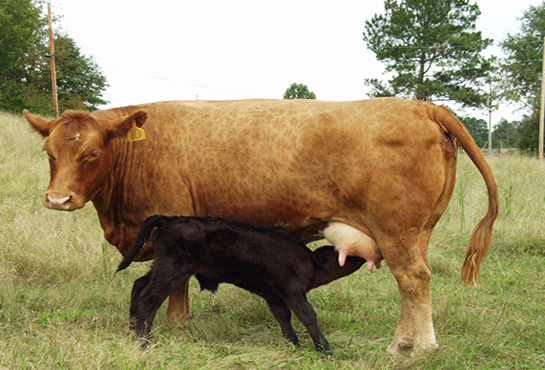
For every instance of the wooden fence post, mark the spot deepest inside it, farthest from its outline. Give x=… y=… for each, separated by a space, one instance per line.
x=541 y=111
x=52 y=54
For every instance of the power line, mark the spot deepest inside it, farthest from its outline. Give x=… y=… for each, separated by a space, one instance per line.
x=178 y=82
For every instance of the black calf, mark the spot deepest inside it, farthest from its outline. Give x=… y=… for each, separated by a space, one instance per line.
x=264 y=260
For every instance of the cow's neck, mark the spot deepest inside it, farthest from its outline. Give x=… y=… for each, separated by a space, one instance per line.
x=115 y=201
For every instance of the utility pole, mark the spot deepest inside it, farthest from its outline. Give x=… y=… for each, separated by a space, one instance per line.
x=541 y=111
x=52 y=56
x=490 y=119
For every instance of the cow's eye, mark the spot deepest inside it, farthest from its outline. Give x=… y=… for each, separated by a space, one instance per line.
x=93 y=155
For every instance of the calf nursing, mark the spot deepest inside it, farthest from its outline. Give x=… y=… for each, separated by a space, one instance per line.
x=264 y=260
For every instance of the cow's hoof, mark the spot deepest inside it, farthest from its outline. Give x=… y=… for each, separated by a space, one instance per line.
x=401 y=348
x=427 y=348
x=179 y=318
x=424 y=349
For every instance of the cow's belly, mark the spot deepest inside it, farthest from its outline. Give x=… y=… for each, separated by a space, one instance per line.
x=350 y=241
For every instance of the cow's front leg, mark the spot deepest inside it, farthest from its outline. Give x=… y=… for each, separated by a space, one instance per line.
x=178 y=304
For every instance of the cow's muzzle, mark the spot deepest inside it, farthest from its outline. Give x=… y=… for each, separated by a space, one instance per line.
x=61 y=202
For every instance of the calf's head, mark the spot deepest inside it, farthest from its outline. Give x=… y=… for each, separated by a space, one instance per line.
x=327 y=268
x=79 y=154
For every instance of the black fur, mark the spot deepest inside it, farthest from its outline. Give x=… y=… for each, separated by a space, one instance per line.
x=264 y=260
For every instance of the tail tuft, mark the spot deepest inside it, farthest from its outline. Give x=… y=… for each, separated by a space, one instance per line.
x=478 y=247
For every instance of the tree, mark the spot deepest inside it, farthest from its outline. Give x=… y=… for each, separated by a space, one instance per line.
x=19 y=22
x=299 y=91
x=522 y=72
x=25 y=76
x=529 y=133
x=506 y=134
x=478 y=128
x=20 y=25
x=79 y=79
x=431 y=49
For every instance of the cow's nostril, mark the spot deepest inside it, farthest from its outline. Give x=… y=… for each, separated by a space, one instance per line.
x=58 y=202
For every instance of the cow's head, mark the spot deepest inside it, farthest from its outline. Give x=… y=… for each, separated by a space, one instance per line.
x=80 y=158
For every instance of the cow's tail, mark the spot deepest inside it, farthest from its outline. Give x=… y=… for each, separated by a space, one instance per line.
x=143 y=235
x=479 y=244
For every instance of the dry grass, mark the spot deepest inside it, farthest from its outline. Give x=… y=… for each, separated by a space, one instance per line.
x=62 y=306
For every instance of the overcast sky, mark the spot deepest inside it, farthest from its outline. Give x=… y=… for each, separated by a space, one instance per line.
x=242 y=49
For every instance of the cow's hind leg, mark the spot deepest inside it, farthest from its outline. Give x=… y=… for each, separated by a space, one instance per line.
x=404 y=254
x=178 y=303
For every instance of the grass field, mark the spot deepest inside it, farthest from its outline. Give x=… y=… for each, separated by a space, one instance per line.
x=62 y=306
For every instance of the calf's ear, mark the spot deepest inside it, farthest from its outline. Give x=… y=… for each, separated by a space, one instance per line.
x=121 y=126
x=39 y=124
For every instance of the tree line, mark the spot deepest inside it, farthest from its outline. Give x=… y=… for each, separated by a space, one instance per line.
x=25 y=74
x=430 y=48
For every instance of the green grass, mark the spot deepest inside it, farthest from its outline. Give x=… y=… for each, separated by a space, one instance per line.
x=62 y=306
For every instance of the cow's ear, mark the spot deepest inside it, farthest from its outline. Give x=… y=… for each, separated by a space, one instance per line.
x=121 y=126
x=41 y=125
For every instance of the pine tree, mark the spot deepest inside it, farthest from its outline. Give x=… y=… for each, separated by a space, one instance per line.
x=431 y=49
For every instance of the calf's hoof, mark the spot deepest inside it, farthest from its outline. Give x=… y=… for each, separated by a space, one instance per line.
x=325 y=350
x=143 y=343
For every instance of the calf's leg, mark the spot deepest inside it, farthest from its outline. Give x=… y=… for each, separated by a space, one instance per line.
x=282 y=314
x=137 y=288
x=299 y=304
x=149 y=301
x=160 y=285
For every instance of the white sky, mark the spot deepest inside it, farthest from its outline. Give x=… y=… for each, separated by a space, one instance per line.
x=238 y=49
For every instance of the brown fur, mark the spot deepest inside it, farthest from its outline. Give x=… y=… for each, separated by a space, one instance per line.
x=383 y=166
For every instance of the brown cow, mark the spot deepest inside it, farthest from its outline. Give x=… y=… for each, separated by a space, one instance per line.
x=373 y=177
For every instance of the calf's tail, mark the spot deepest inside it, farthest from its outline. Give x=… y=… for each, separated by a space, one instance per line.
x=479 y=244
x=143 y=235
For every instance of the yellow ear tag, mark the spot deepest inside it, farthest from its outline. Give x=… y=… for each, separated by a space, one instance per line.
x=136 y=133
